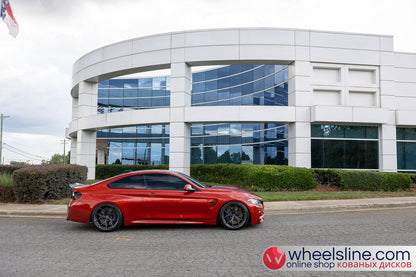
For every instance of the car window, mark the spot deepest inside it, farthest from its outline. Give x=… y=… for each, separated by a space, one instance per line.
x=129 y=182
x=164 y=182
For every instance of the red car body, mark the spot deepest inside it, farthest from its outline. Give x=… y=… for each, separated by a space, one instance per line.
x=145 y=197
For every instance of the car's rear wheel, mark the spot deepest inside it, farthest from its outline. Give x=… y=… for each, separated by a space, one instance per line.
x=107 y=217
x=234 y=215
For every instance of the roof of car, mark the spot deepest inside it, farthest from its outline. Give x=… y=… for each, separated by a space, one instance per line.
x=152 y=170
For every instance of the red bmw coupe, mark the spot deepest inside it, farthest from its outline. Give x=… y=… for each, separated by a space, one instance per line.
x=162 y=197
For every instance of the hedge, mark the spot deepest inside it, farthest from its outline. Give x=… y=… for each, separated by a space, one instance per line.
x=36 y=183
x=9 y=169
x=280 y=177
x=374 y=181
x=109 y=170
x=257 y=177
x=6 y=188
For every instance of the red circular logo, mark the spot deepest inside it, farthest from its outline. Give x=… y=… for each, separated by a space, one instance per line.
x=274 y=258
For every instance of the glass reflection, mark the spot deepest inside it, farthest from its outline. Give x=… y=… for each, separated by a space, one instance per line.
x=236 y=143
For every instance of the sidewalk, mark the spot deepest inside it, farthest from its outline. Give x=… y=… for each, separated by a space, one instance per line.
x=271 y=208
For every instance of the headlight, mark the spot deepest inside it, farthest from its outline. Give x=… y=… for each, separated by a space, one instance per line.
x=76 y=195
x=256 y=202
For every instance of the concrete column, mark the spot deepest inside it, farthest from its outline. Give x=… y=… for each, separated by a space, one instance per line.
x=300 y=96
x=73 y=151
x=86 y=140
x=388 y=148
x=388 y=144
x=100 y=156
x=180 y=98
x=73 y=159
x=101 y=151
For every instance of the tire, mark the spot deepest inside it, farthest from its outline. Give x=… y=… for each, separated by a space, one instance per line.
x=107 y=217
x=234 y=215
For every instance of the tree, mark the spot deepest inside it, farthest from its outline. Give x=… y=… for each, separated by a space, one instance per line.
x=59 y=158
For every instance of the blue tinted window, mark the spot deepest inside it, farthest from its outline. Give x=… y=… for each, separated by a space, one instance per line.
x=159 y=82
x=211 y=75
x=116 y=83
x=102 y=93
x=233 y=143
x=103 y=84
x=198 y=77
x=239 y=81
x=131 y=83
x=145 y=83
x=224 y=71
x=235 y=69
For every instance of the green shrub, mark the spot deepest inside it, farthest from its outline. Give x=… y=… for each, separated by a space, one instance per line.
x=257 y=177
x=328 y=177
x=413 y=177
x=104 y=171
x=6 y=180
x=9 y=169
x=37 y=183
x=6 y=188
x=374 y=181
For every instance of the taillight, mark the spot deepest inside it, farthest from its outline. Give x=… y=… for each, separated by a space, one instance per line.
x=76 y=195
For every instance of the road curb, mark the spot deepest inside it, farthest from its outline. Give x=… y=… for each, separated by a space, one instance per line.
x=336 y=209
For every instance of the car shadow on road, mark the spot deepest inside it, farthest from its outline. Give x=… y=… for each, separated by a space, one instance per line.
x=162 y=227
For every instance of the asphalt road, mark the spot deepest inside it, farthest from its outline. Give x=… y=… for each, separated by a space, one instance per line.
x=54 y=247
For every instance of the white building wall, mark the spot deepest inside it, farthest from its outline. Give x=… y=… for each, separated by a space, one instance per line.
x=335 y=78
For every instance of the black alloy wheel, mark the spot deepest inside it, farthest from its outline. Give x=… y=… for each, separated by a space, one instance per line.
x=107 y=217
x=234 y=215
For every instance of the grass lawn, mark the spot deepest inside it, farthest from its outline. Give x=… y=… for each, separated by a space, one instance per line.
x=320 y=195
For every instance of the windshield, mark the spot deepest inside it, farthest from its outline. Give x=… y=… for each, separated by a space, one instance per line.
x=196 y=182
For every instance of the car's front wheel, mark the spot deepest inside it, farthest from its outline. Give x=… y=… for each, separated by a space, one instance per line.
x=107 y=217
x=234 y=215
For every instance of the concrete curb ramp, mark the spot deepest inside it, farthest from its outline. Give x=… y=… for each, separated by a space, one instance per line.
x=271 y=208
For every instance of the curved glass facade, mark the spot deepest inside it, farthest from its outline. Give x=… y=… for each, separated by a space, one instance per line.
x=143 y=145
x=251 y=143
x=117 y=95
x=235 y=85
x=254 y=143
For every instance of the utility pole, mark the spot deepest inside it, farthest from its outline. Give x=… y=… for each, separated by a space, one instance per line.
x=1 y=135
x=64 y=141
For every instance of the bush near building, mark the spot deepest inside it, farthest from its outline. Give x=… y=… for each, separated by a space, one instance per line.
x=9 y=169
x=104 y=171
x=365 y=180
x=257 y=177
x=40 y=182
x=6 y=188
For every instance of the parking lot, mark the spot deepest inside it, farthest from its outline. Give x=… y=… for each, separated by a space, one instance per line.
x=55 y=247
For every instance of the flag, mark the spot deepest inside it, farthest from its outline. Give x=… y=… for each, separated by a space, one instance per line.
x=100 y=109
x=8 y=18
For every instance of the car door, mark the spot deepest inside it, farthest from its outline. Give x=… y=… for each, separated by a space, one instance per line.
x=166 y=199
x=127 y=193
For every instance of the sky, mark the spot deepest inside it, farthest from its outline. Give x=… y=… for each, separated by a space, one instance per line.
x=36 y=67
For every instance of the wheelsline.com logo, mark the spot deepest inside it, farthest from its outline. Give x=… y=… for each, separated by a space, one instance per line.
x=274 y=258
x=340 y=258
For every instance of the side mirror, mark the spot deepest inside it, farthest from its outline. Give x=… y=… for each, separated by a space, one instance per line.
x=188 y=187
